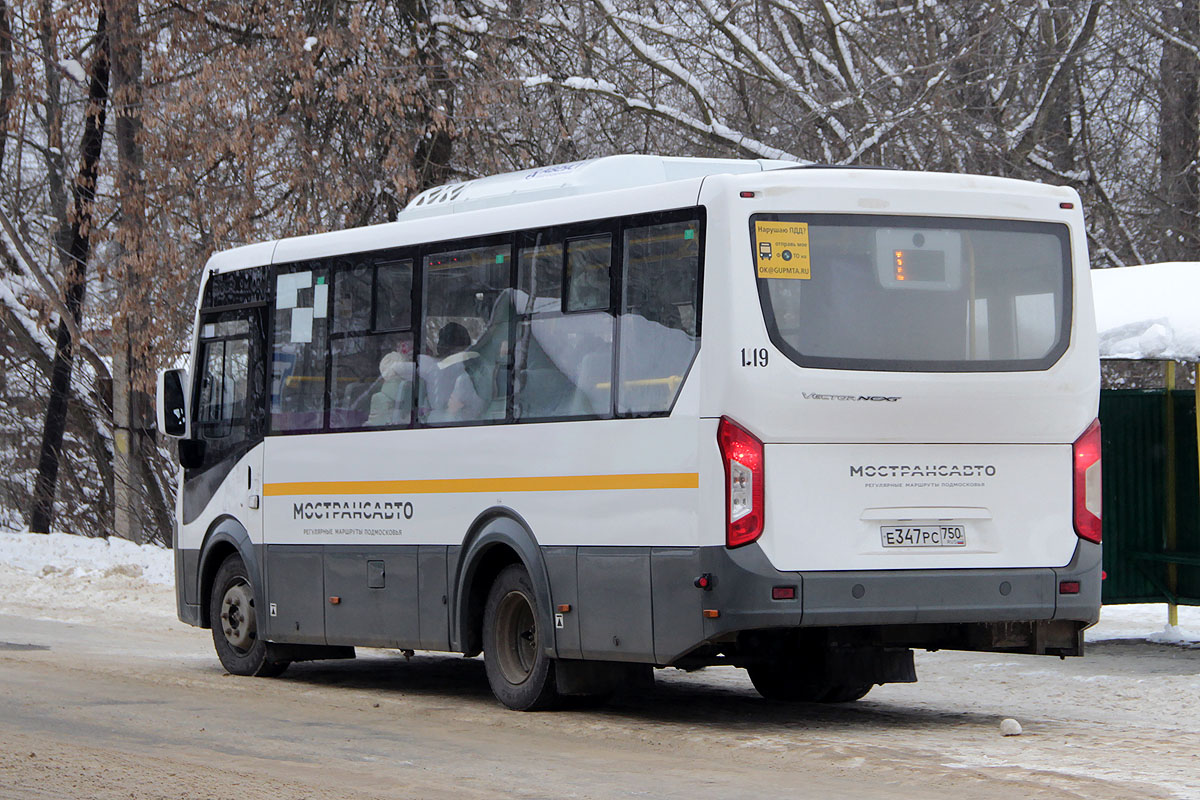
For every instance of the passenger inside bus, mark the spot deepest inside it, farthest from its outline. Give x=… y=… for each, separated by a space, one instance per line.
x=449 y=391
x=390 y=404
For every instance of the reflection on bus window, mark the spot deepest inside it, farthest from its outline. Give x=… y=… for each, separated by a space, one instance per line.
x=564 y=367
x=589 y=262
x=539 y=276
x=464 y=364
x=393 y=295
x=352 y=298
x=659 y=306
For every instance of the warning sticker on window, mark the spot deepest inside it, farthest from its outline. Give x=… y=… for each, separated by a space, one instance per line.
x=781 y=250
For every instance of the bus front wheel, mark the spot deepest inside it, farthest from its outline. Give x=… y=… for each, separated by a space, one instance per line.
x=235 y=624
x=519 y=671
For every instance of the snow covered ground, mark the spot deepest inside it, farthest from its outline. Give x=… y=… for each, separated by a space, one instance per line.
x=73 y=579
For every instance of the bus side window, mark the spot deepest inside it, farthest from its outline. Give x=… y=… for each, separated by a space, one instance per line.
x=659 y=315
x=393 y=295
x=223 y=386
x=212 y=391
x=352 y=298
x=564 y=360
x=371 y=368
x=298 y=350
x=468 y=307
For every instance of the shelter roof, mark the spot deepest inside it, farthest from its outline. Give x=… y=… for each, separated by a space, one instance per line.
x=1150 y=311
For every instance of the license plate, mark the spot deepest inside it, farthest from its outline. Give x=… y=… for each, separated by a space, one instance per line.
x=923 y=536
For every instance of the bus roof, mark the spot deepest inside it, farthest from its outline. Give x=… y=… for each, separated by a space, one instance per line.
x=505 y=202
x=576 y=178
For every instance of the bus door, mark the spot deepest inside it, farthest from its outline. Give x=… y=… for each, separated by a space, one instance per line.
x=229 y=419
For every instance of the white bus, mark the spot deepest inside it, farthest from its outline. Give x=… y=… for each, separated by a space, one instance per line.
x=642 y=412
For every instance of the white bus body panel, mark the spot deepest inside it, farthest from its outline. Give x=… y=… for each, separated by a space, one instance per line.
x=238 y=496
x=819 y=514
x=1016 y=512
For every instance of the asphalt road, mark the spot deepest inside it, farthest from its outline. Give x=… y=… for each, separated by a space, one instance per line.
x=132 y=711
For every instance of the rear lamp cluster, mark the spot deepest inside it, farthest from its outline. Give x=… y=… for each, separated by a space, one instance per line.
x=742 y=455
x=1086 y=462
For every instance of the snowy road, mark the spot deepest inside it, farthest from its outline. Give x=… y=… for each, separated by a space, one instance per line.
x=103 y=694
x=103 y=712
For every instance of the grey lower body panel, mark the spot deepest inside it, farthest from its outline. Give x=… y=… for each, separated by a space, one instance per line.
x=744 y=579
x=187 y=575
x=389 y=596
x=911 y=600
x=366 y=595
x=642 y=604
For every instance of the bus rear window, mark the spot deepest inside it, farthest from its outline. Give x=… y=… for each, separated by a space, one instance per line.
x=927 y=294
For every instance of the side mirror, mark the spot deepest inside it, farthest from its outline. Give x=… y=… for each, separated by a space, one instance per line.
x=172 y=403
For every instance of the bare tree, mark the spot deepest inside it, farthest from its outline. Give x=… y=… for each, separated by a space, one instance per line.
x=75 y=264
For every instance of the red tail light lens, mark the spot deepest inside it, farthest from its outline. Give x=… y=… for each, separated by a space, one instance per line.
x=1087 y=483
x=742 y=455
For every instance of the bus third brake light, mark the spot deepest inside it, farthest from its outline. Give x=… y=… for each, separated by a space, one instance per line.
x=742 y=455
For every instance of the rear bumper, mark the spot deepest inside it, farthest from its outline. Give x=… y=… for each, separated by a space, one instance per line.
x=744 y=578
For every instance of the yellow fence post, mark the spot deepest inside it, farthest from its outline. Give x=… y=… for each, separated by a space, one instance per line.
x=1172 y=529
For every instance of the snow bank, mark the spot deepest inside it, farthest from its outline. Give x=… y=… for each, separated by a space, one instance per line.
x=86 y=581
x=78 y=555
x=1148 y=311
x=1146 y=621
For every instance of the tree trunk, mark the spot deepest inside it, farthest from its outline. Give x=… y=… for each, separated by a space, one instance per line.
x=131 y=405
x=41 y=515
x=1179 y=134
x=7 y=84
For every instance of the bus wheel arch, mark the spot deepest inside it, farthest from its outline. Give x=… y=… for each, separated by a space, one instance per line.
x=236 y=617
x=498 y=538
x=225 y=537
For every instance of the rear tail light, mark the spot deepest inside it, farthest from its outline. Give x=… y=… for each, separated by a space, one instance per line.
x=742 y=455
x=1086 y=459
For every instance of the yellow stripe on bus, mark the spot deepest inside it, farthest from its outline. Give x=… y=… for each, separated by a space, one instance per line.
x=552 y=483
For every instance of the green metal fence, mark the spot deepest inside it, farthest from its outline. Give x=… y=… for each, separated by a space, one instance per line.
x=1151 y=496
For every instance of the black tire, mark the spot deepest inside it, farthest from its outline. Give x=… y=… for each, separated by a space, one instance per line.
x=778 y=683
x=235 y=624
x=784 y=685
x=846 y=694
x=519 y=671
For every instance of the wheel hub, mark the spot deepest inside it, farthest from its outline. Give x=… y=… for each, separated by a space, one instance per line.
x=516 y=637
x=237 y=617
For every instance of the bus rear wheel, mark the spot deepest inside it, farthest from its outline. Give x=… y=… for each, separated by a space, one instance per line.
x=519 y=671
x=235 y=624
x=775 y=682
